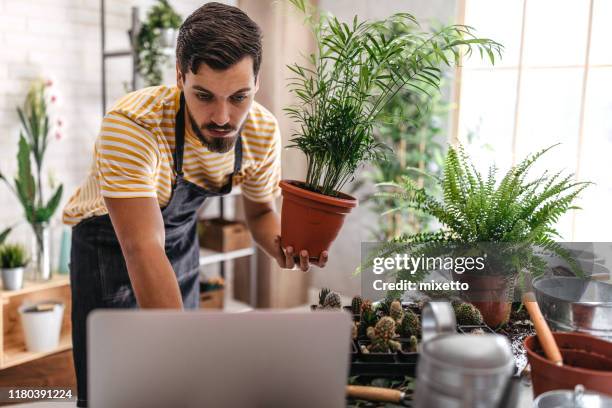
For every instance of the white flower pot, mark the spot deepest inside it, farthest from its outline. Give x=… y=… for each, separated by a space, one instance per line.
x=12 y=278
x=41 y=329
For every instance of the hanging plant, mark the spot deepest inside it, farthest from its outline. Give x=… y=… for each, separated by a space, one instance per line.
x=150 y=45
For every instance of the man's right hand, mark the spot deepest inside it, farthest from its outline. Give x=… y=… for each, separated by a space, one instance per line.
x=139 y=226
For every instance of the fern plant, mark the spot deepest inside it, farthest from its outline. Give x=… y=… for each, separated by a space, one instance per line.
x=512 y=220
x=356 y=69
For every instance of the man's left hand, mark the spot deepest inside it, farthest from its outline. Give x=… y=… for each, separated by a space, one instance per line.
x=286 y=257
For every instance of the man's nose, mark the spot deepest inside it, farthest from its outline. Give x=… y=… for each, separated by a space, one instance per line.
x=220 y=116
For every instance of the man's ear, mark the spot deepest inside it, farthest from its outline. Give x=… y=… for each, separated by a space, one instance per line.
x=179 y=77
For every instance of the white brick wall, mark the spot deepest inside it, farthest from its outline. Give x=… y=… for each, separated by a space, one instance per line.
x=61 y=39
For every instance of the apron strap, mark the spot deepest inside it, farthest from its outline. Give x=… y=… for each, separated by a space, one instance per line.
x=238 y=154
x=179 y=137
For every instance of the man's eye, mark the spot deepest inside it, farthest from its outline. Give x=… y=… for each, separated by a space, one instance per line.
x=204 y=97
x=239 y=98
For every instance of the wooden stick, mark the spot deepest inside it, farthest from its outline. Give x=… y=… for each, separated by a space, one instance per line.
x=374 y=393
x=543 y=332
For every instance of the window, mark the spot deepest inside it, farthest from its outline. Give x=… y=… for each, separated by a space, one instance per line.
x=553 y=85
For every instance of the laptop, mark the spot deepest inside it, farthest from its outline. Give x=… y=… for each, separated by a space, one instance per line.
x=164 y=358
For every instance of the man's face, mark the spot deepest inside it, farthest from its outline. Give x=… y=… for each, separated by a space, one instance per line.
x=218 y=102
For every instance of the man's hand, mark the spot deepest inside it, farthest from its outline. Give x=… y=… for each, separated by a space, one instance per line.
x=286 y=257
x=264 y=225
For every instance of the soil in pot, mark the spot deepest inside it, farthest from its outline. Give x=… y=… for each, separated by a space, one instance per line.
x=311 y=221
x=587 y=361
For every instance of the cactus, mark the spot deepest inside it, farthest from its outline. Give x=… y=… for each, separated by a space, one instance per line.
x=322 y=295
x=385 y=306
x=356 y=305
x=366 y=306
x=396 y=312
x=368 y=317
x=381 y=337
x=410 y=325
x=332 y=301
x=467 y=314
x=385 y=328
x=413 y=344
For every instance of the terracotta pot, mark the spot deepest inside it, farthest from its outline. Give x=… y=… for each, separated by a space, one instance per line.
x=587 y=360
x=309 y=220
x=490 y=294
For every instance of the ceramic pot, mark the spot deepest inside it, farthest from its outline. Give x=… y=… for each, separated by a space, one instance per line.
x=311 y=221
x=41 y=328
x=12 y=278
x=490 y=294
x=587 y=360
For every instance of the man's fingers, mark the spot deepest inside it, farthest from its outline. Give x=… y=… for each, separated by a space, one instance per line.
x=289 y=261
x=304 y=263
x=323 y=259
x=280 y=254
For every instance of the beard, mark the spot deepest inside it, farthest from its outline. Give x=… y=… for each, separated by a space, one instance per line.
x=215 y=144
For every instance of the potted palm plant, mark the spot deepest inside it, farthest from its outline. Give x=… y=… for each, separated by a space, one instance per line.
x=511 y=220
x=355 y=70
x=12 y=262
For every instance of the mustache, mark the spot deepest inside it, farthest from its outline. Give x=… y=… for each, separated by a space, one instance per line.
x=225 y=128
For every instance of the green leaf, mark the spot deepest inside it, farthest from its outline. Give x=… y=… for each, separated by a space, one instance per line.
x=5 y=234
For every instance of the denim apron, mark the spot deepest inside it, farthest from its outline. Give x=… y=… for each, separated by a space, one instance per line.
x=98 y=274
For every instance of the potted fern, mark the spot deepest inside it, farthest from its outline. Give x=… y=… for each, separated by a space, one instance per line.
x=355 y=70
x=511 y=220
x=12 y=262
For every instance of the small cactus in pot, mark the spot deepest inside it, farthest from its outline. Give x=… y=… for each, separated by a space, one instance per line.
x=332 y=301
x=368 y=317
x=322 y=295
x=467 y=314
x=396 y=312
x=356 y=305
x=381 y=337
x=409 y=325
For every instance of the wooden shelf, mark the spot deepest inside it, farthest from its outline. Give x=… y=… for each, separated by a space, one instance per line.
x=15 y=354
x=34 y=286
x=12 y=343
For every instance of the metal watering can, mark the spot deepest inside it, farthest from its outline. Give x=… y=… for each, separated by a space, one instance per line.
x=460 y=370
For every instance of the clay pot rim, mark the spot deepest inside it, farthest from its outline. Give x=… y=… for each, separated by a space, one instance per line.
x=292 y=186
x=577 y=370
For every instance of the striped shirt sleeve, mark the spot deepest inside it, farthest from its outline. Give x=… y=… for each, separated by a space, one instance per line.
x=126 y=158
x=261 y=185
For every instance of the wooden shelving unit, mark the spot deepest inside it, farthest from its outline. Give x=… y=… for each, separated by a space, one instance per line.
x=13 y=351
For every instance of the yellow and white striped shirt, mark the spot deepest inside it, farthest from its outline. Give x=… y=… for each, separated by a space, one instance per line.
x=133 y=155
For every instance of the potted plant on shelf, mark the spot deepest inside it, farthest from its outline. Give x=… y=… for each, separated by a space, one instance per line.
x=356 y=69
x=12 y=262
x=155 y=41
x=28 y=187
x=511 y=221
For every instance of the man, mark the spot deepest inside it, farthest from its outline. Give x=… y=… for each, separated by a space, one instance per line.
x=160 y=153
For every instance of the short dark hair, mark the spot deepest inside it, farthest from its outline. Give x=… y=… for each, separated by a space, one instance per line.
x=219 y=36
